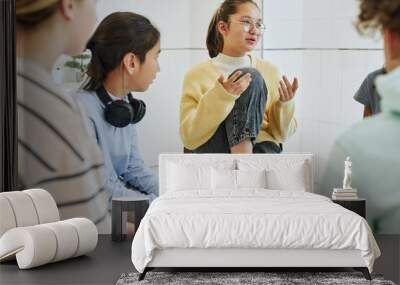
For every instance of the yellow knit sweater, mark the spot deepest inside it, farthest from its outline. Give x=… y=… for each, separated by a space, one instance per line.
x=205 y=104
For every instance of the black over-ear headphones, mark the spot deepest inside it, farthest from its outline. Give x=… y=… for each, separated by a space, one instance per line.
x=120 y=113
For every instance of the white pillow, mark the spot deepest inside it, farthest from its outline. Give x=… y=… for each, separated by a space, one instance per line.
x=181 y=177
x=251 y=178
x=282 y=174
x=223 y=179
x=293 y=178
x=228 y=179
x=183 y=174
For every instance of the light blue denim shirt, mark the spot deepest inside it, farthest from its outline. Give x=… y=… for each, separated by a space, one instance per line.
x=126 y=172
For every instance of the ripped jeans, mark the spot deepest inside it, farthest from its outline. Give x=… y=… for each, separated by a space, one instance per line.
x=244 y=121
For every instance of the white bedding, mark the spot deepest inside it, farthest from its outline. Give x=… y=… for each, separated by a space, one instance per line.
x=251 y=218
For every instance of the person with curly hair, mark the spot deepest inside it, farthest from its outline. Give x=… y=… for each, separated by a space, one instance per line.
x=373 y=144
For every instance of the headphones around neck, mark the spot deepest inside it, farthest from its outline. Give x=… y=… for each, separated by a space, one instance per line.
x=120 y=113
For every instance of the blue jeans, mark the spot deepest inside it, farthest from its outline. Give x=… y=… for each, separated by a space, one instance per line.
x=244 y=121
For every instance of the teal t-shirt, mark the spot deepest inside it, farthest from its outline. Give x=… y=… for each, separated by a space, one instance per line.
x=374 y=148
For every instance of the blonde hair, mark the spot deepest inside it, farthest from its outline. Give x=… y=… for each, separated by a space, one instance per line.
x=32 y=12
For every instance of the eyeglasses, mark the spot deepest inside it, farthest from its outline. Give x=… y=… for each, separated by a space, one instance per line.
x=248 y=25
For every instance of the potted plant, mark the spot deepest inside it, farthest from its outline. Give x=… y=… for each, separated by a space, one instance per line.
x=79 y=64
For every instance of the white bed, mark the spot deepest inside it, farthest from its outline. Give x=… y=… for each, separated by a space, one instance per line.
x=203 y=220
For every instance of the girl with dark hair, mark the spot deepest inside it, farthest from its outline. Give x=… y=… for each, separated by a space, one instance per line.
x=125 y=49
x=55 y=150
x=236 y=103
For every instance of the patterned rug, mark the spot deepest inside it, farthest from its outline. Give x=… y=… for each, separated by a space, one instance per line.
x=244 y=278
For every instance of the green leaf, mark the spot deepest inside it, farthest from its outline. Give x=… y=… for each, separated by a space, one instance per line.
x=72 y=64
x=85 y=56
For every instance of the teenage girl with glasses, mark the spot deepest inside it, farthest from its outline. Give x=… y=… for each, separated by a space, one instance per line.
x=236 y=103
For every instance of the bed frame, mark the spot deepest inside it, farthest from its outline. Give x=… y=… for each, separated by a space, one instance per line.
x=259 y=259
x=236 y=259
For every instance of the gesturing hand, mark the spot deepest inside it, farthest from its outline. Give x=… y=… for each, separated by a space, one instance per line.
x=287 y=90
x=234 y=85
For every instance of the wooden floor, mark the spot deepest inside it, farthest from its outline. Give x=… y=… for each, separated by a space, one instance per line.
x=110 y=260
x=389 y=262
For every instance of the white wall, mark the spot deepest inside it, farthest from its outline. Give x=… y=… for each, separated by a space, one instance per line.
x=183 y=26
x=314 y=40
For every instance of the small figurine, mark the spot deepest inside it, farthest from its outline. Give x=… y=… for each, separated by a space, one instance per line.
x=347 y=174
